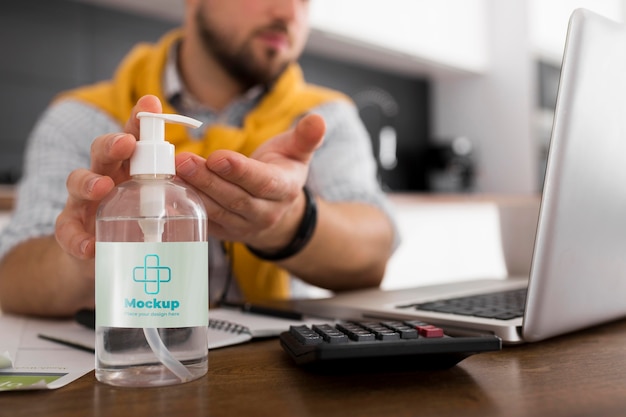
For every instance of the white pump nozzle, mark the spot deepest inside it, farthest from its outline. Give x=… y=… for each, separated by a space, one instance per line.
x=153 y=154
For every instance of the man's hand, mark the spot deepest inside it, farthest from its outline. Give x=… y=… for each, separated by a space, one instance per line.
x=67 y=258
x=256 y=200
x=75 y=226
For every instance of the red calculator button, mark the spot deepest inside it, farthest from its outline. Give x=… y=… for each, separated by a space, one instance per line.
x=430 y=331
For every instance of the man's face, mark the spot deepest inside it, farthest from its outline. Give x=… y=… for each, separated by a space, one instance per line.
x=254 y=40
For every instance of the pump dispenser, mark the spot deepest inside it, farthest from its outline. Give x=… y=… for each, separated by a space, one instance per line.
x=152 y=270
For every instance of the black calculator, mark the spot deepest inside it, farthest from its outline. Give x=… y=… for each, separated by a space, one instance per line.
x=414 y=343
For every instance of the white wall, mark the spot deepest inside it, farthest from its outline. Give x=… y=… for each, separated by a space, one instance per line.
x=458 y=238
x=495 y=110
x=549 y=19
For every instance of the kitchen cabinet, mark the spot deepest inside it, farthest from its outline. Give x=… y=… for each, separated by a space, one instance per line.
x=416 y=37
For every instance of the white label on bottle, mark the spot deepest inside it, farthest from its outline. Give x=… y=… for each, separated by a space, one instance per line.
x=146 y=284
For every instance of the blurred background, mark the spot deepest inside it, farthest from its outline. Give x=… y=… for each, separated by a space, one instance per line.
x=457 y=95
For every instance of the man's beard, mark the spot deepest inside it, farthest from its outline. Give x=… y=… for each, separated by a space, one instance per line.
x=240 y=64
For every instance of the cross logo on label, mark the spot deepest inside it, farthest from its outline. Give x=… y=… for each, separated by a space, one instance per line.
x=152 y=274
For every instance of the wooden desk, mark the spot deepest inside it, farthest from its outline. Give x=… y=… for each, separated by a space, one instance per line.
x=583 y=374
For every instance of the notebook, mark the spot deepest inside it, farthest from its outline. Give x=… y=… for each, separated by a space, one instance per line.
x=577 y=276
x=227 y=327
x=232 y=326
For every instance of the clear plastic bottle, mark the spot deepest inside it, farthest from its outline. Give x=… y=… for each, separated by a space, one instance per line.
x=151 y=272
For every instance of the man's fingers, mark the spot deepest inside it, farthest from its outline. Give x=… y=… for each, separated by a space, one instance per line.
x=85 y=186
x=309 y=134
x=261 y=180
x=147 y=103
x=74 y=226
x=108 y=152
x=297 y=144
x=73 y=239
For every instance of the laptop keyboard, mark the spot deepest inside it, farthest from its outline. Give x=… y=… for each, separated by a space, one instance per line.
x=503 y=305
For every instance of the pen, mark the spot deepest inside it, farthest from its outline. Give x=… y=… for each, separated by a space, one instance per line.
x=265 y=311
x=66 y=343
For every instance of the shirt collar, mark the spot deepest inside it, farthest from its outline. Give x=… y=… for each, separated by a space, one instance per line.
x=176 y=93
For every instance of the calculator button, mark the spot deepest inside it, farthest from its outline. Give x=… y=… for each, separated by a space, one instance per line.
x=430 y=331
x=356 y=332
x=380 y=331
x=305 y=335
x=405 y=332
x=415 y=323
x=330 y=334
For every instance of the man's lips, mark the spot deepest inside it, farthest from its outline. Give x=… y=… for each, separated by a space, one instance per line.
x=276 y=40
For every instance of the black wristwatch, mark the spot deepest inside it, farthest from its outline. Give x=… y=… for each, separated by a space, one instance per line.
x=303 y=234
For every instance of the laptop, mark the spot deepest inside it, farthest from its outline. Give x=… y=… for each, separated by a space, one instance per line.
x=577 y=275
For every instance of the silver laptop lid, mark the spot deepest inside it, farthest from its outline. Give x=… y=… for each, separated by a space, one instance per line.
x=578 y=273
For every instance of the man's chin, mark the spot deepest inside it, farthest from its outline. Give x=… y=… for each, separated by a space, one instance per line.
x=269 y=72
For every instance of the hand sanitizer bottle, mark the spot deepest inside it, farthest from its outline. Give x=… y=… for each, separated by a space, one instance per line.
x=152 y=270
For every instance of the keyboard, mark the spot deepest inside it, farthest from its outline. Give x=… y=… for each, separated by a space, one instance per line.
x=504 y=305
x=414 y=343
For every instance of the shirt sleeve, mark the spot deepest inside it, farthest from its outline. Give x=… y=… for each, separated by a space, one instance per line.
x=344 y=168
x=59 y=143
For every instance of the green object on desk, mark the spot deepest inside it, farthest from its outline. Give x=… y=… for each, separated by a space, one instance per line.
x=14 y=381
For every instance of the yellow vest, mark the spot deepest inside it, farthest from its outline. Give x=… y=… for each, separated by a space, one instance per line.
x=141 y=73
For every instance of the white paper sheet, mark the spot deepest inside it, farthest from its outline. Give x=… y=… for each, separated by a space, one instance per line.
x=38 y=363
